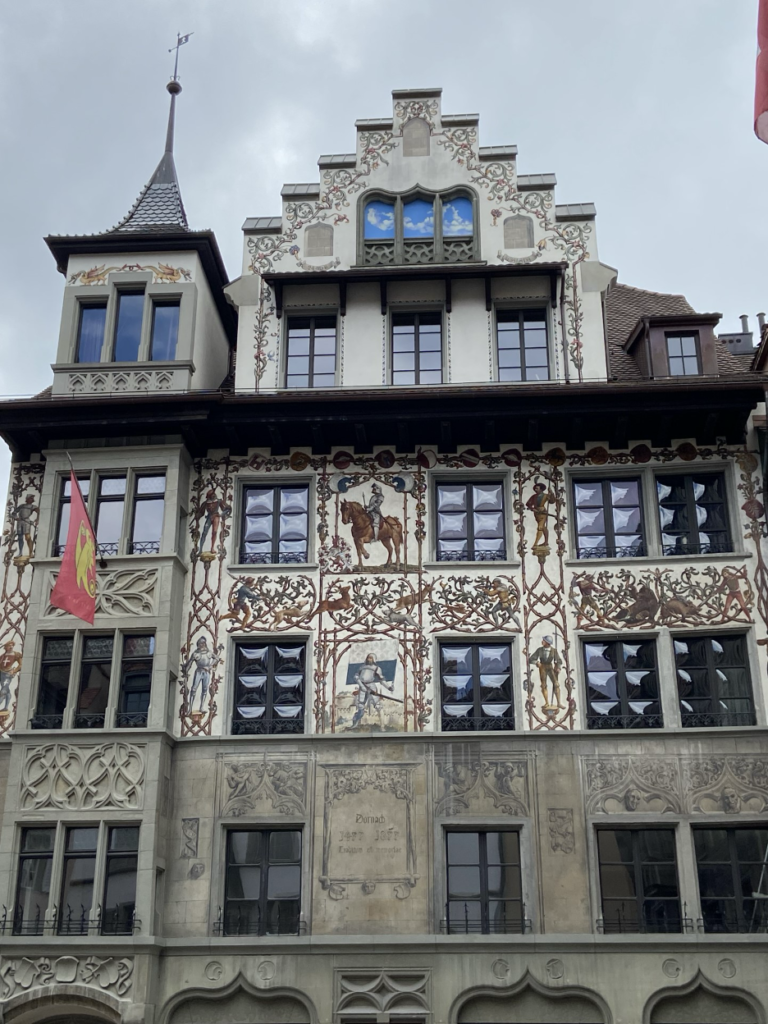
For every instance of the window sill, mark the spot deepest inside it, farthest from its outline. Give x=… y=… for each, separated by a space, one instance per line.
x=727 y=556
x=445 y=566
x=254 y=568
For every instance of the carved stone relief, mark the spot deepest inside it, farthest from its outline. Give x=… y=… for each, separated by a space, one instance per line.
x=467 y=783
x=632 y=784
x=366 y=992
x=124 y=592
x=190 y=831
x=274 y=782
x=83 y=778
x=111 y=974
x=561 y=837
x=728 y=785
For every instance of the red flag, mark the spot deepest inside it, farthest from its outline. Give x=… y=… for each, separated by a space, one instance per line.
x=75 y=587
x=761 y=74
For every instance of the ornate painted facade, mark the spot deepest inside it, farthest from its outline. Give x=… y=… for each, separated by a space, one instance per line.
x=495 y=583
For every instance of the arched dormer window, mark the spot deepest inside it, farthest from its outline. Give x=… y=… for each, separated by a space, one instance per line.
x=318 y=240
x=419 y=227
x=518 y=232
x=416 y=137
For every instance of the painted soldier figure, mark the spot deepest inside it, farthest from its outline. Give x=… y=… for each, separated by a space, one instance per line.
x=537 y=503
x=214 y=509
x=550 y=663
x=373 y=508
x=506 y=599
x=22 y=515
x=245 y=593
x=731 y=585
x=368 y=679
x=10 y=665
x=203 y=659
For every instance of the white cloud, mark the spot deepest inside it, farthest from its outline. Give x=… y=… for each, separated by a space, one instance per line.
x=379 y=218
x=425 y=226
x=454 y=223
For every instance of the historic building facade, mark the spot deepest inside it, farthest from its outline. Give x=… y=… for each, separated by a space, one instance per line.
x=427 y=681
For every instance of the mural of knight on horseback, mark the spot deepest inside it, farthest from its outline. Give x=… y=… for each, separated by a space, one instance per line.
x=369 y=524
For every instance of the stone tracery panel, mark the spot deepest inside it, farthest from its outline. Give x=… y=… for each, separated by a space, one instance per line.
x=68 y=777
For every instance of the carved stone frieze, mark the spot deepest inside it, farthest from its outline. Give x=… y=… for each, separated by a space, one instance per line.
x=123 y=592
x=727 y=785
x=110 y=974
x=190 y=832
x=632 y=784
x=119 y=381
x=373 y=992
x=560 y=823
x=69 y=777
x=251 y=784
x=469 y=783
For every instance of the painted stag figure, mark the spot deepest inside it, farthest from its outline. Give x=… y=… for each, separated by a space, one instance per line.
x=369 y=524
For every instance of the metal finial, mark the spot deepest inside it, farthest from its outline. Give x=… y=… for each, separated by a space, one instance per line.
x=180 y=40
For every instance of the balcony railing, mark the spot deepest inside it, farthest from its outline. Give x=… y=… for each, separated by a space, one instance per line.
x=117 y=920
x=131 y=719
x=145 y=547
x=463 y=923
x=624 y=722
x=472 y=555
x=611 y=551
x=637 y=921
x=502 y=723
x=89 y=721
x=716 y=719
x=273 y=557
x=251 y=921
x=46 y=721
x=744 y=915
x=266 y=727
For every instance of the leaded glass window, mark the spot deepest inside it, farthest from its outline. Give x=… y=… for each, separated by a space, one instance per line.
x=693 y=514
x=275 y=525
x=622 y=685
x=484 y=883
x=476 y=687
x=713 y=681
x=609 y=518
x=638 y=880
x=269 y=688
x=262 y=883
x=470 y=522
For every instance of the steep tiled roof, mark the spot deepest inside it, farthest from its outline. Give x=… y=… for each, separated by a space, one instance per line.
x=624 y=306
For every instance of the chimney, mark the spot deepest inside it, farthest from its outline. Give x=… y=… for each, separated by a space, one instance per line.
x=761 y=321
x=740 y=344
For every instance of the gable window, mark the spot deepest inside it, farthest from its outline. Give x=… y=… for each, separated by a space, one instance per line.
x=275 y=525
x=476 y=687
x=638 y=880
x=311 y=358
x=262 y=883
x=269 y=688
x=518 y=232
x=523 y=350
x=470 y=522
x=418 y=228
x=318 y=240
x=90 y=332
x=165 y=331
x=33 y=886
x=693 y=514
x=484 y=883
x=416 y=137
x=683 y=354
x=713 y=681
x=417 y=348
x=130 y=315
x=733 y=878
x=622 y=685
x=609 y=518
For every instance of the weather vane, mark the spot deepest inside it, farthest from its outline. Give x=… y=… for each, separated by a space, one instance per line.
x=180 y=40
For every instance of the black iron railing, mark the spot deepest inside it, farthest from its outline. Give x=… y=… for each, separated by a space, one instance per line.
x=267 y=727
x=717 y=719
x=145 y=547
x=70 y=921
x=502 y=723
x=624 y=722
x=636 y=921
x=611 y=551
x=679 y=548
x=89 y=721
x=273 y=557
x=131 y=719
x=108 y=549
x=471 y=555
x=746 y=915
x=251 y=921
x=46 y=721
x=459 y=920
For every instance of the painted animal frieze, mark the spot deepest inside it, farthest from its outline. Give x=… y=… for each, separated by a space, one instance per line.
x=478 y=604
x=270 y=603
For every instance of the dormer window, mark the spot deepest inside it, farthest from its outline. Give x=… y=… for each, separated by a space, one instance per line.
x=419 y=228
x=683 y=354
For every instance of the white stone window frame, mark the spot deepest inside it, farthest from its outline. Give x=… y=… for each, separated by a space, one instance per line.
x=229 y=688
x=86 y=819
x=464 y=476
x=516 y=305
x=287 y=823
x=78 y=635
x=238 y=517
x=647 y=474
x=128 y=281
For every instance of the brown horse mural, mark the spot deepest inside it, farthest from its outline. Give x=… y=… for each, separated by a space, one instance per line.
x=390 y=531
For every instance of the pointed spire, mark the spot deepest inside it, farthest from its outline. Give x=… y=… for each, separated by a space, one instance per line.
x=159 y=206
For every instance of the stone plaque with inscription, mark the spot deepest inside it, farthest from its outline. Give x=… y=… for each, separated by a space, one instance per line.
x=368 y=830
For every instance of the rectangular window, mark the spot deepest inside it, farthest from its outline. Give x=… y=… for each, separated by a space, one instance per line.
x=732 y=865
x=713 y=681
x=263 y=883
x=110 y=506
x=609 y=518
x=476 y=687
x=622 y=685
x=90 y=332
x=78 y=873
x=148 y=507
x=417 y=348
x=165 y=331
x=311 y=358
x=33 y=888
x=65 y=503
x=135 y=682
x=470 y=522
x=130 y=313
x=693 y=514
x=683 y=354
x=95 y=673
x=523 y=351
x=638 y=880
x=122 y=860
x=54 y=682
x=484 y=883
x=275 y=525
x=269 y=688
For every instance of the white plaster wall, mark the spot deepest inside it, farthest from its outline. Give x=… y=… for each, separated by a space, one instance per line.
x=468 y=349
x=364 y=338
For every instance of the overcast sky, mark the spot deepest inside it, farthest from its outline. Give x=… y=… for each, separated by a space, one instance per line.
x=644 y=108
